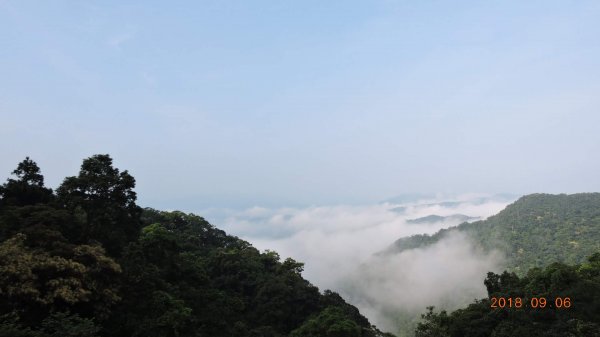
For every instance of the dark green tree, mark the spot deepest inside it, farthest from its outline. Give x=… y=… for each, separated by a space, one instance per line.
x=28 y=187
x=331 y=322
x=65 y=324
x=104 y=201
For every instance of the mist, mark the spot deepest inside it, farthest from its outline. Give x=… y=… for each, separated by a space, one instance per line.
x=393 y=290
x=338 y=245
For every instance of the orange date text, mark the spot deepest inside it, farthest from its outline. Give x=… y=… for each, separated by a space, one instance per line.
x=534 y=302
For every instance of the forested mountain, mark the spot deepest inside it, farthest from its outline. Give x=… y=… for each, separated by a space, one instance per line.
x=87 y=261
x=534 y=231
x=557 y=301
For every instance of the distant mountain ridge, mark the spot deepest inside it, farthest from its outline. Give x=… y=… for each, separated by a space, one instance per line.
x=438 y=218
x=432 y=199
x=534 y=231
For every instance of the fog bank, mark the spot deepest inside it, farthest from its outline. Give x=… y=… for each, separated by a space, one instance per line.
x=338 y=243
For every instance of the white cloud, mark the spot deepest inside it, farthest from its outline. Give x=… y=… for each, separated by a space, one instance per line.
x=337 y=244
x=447 y=274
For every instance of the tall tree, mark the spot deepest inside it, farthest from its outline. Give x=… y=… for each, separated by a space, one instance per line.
x=28 y=187
x=104 y=200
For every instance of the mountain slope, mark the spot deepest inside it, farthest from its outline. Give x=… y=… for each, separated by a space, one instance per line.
x=87 y=261
x=559 y=300
x=534 y=231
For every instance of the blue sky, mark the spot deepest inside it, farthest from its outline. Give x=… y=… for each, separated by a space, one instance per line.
x=242 y=103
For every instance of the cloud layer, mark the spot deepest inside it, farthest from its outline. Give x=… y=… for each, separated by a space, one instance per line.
x=448 y=274
x=338 y=243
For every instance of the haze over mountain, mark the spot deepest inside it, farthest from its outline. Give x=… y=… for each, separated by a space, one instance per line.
x=437 y=218
x=326 y=131
x=534 y=231
x=338 y=244
x=96 y=212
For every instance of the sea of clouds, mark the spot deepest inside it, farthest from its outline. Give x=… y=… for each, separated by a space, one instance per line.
x=338 y=245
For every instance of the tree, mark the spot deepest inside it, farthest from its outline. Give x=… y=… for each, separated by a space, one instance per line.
x=27 y=189
x=65 y=324
x=169 y=317
x=57 y=324
x=433 y=325
x=104 y=200
x=36 y=282
x=331 y=322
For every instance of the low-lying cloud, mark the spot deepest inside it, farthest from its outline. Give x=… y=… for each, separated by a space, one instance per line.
x=338 y=243
x=394 y=289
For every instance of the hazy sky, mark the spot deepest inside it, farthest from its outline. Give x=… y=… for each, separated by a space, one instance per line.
x=241 y=103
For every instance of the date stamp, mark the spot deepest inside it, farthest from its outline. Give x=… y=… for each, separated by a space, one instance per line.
x=534 y=303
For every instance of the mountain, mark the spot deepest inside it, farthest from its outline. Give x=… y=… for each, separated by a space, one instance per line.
x=534 y=231
x=399 y=209
x=437 y=218
x=401 y=203
x=87 y=261
x=430 y=199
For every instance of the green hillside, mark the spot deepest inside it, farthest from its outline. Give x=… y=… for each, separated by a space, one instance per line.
x=557 y=301
x=534 y=231
x=87 y=261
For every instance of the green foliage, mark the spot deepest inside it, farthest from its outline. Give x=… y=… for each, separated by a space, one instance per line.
x=27 y=189
x=35 y=281
x=169 y=317
x=11 y=327
x=57 y=324
x=580 y=283
x=331 y=322
x=213 y=284
x=534 y=231
x=64 y=324
x=433 y=325
x=104 y=200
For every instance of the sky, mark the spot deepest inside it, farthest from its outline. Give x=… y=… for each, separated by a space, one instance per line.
x=282 y=103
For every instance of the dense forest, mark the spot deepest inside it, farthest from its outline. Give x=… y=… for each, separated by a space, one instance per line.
x=557 y=301
x=534 y=231
x=86 y=260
